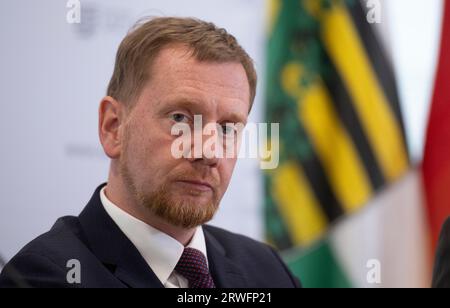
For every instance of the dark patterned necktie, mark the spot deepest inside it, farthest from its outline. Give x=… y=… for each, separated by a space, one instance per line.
x=192 y=265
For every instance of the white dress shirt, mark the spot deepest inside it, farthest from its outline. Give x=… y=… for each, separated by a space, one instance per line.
x=159 y=250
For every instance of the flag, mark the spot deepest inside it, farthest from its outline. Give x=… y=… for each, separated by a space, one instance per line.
x=342 y=138
x=436 y=163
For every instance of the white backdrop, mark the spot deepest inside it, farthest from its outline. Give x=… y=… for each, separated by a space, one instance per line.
x=53 y=75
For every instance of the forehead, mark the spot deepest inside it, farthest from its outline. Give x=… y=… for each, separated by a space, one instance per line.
x=175 y=72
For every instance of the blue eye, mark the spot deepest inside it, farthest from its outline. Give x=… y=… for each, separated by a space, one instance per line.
x=179 y=117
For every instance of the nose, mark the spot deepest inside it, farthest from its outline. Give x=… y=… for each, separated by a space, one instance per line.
x=207 y=148
x=212 y=160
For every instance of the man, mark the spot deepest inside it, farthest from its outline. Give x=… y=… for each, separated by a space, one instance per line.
x=441 y=274
x=145 y=227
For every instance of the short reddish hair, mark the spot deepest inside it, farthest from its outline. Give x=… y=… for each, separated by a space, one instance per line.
x=146 y=39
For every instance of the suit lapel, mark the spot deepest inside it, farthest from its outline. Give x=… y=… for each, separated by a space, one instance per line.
x=113 y=248
x=225 y=272
x=110 y=245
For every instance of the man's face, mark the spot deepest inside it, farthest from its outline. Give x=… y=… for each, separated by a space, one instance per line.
x=184 y=192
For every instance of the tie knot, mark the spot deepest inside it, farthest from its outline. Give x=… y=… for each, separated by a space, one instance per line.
x=192 y=265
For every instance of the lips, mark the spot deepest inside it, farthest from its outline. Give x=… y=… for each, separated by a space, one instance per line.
x=200 y=185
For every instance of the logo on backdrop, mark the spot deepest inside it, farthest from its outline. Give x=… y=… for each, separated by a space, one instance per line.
x=89 y=19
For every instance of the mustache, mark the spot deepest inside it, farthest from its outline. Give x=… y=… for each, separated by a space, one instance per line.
x=196 y=177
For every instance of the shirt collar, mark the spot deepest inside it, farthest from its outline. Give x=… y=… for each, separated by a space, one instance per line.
x=159 y=250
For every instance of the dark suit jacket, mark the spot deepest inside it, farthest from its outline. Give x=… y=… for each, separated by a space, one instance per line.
x=109 y=259
x=441 y=273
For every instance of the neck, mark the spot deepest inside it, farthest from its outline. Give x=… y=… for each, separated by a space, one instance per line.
x=117 y=193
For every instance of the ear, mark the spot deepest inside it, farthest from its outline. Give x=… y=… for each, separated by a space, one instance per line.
x=111 y=117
